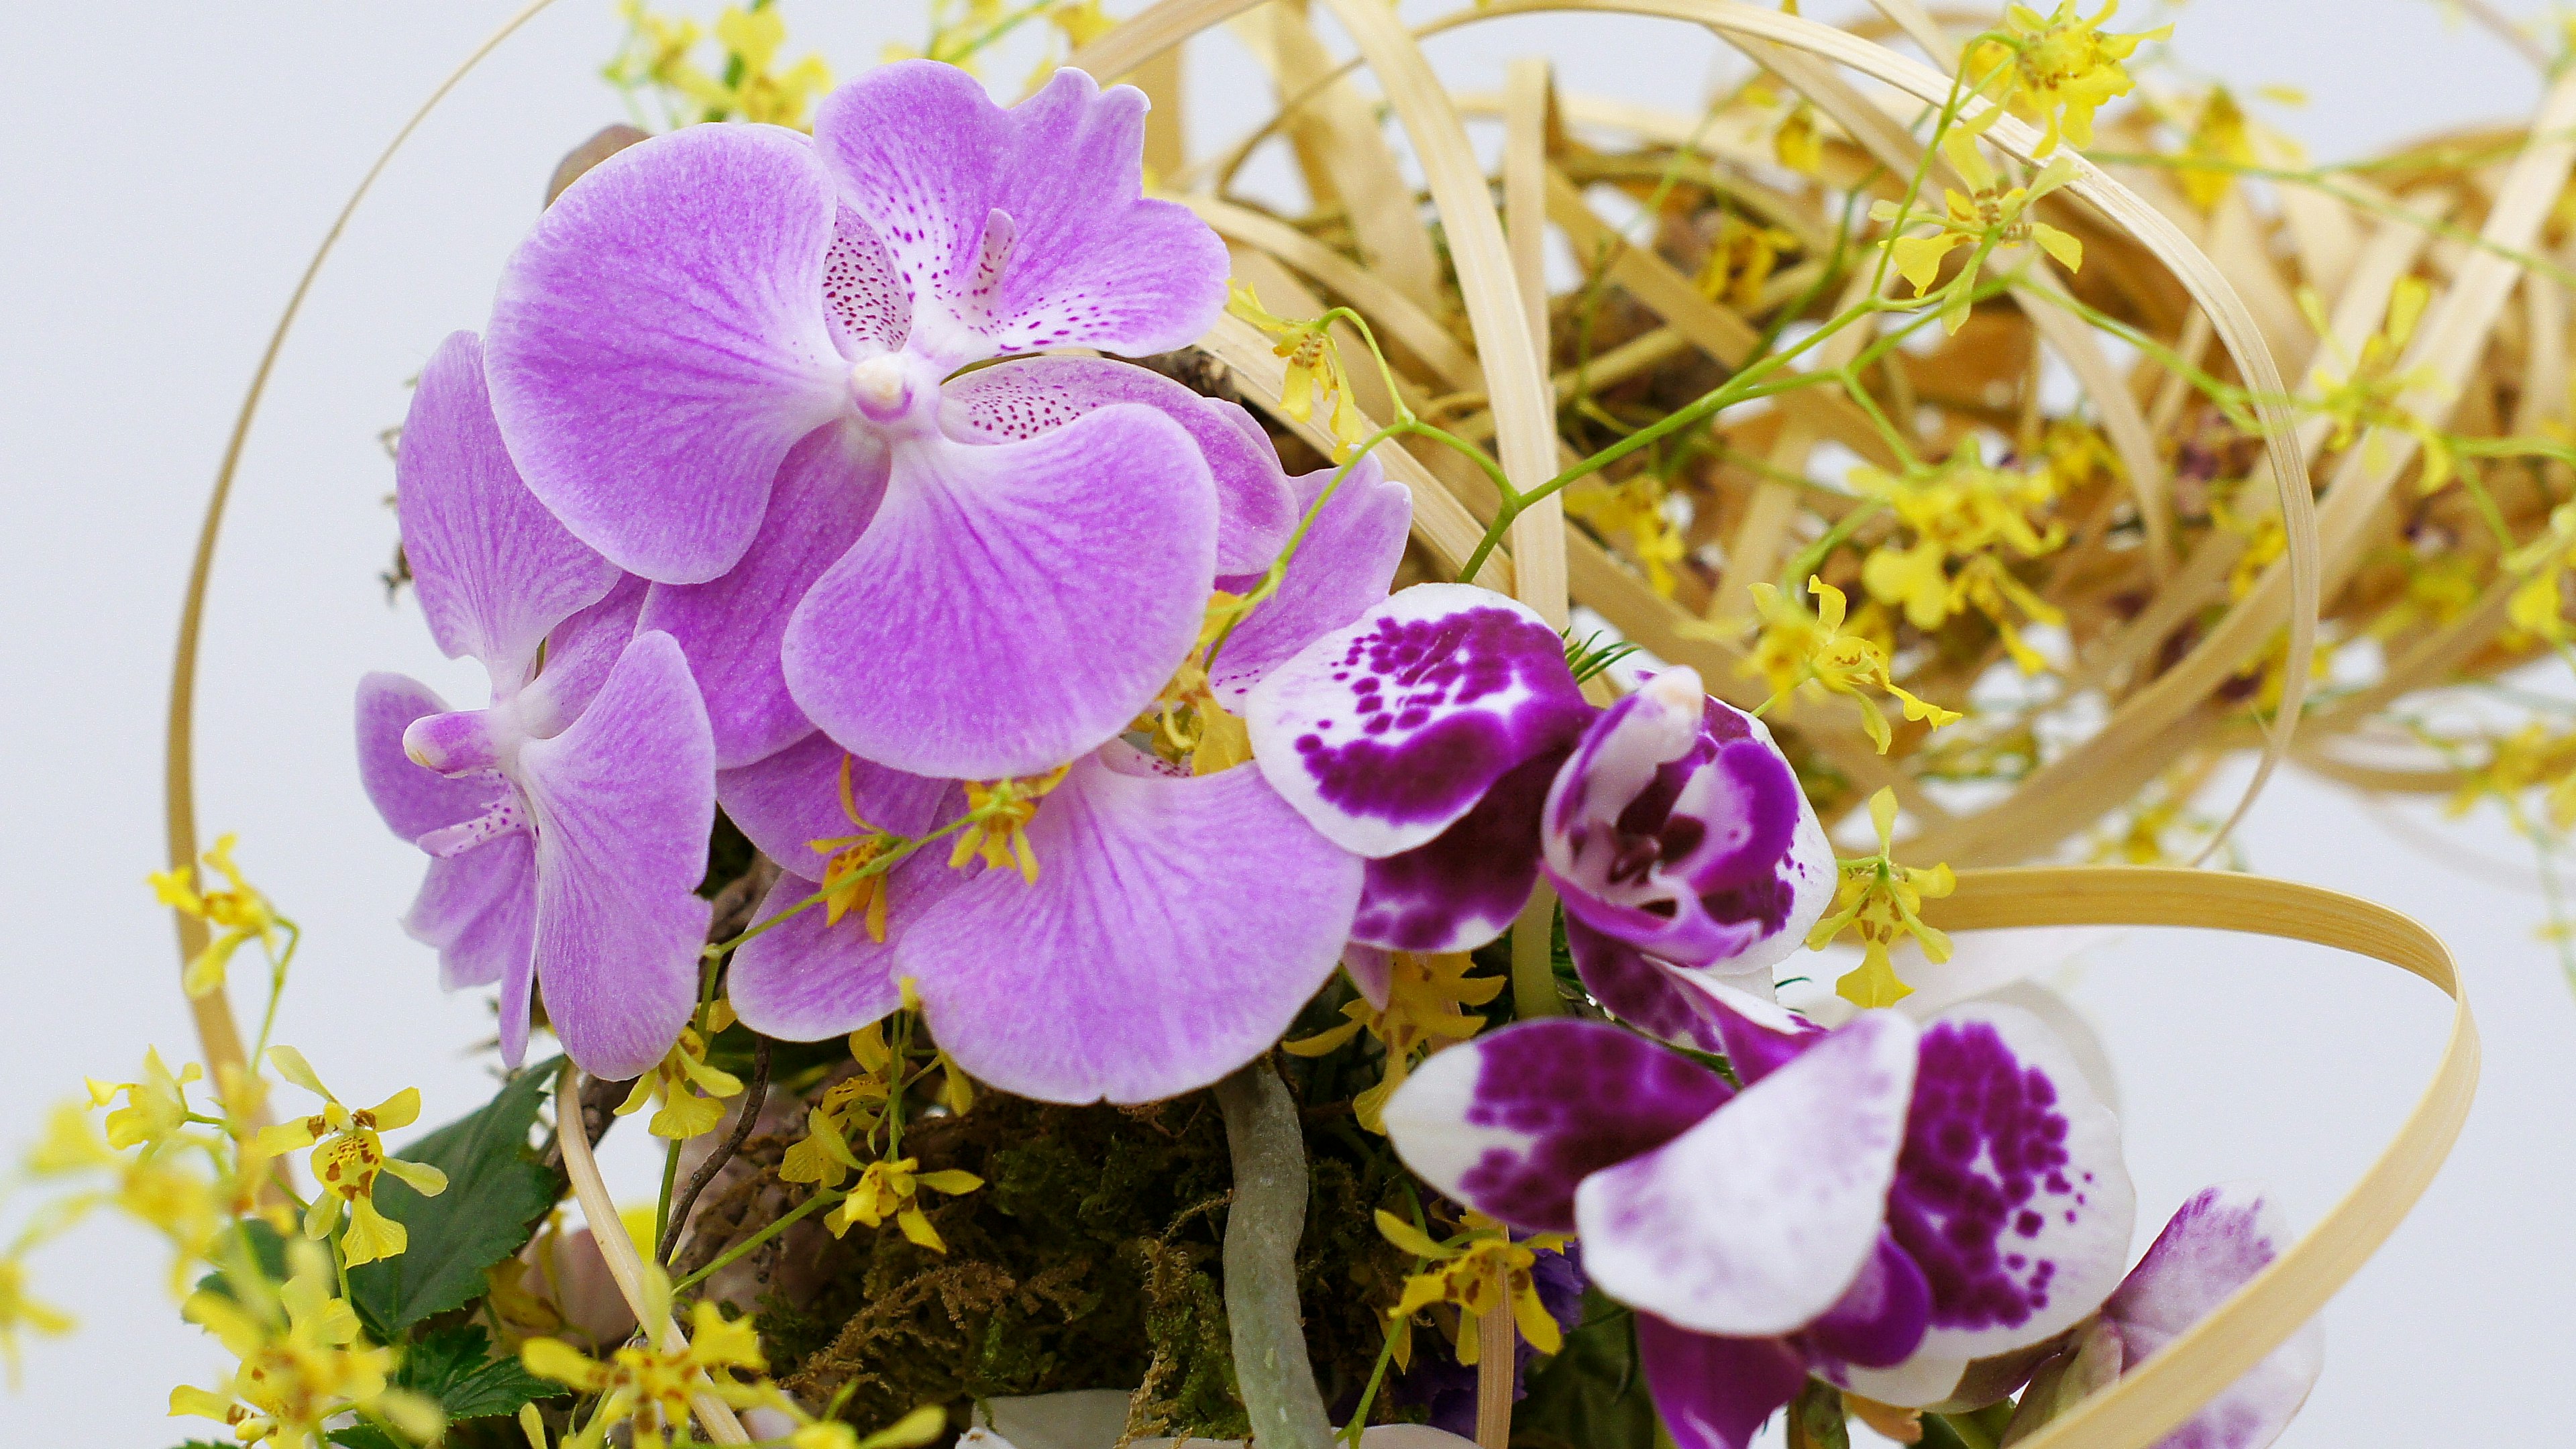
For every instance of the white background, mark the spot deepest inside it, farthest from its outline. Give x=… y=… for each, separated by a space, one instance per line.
x=168 y=169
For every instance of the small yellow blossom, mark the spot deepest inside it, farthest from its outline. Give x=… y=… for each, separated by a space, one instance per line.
x=1182 y=717
x=748 y=85
x=2219 y=134
x=1315 y=371
x=1426 y=999
x=1081 y=23
x=849 y=1110
x=155 y=1109
x=2537 y=606
x=303 y=1361
x=21 y=1313
x=690 y=1090
x=2517 y=764
x=1797 y=144
x=646 y=1386
x=2057 y=69
x=1990 y=214
x=1959 y=513
x=1479 y=1272
x=237 y=914
x=2366 y=393
x=1740 y=262
x=1634 y=507
x=1796 y=648
x=1883 y=902
x=892 y=1189
x=1000 y=812
x=347 y=1161
x=69 y=1145
x=843 y=891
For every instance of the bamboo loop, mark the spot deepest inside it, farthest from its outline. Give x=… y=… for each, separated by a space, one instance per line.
x=2152 y=1399
x=618 y=1251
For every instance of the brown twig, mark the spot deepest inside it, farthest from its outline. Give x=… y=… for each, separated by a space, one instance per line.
x=723 y=1154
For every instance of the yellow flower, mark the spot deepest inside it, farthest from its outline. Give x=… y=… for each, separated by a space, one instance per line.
x=1740 y=262
x=850 y=1108
x=1796 y=648
x=849 y=853
x=303 y=1361
x=1186 y=714
x=20 y=1312
x=892 y=1190
x=1882 y=901
x=155 y=1108
x=2518 y=763
x=347 y=1161
x=1634 y=507
x=2366 y=392
x=70 y=1144
x=1797 y=144
x=237 y=913
x=646 y=1386
x=690 y=1090
x=1424 y=1010
x=1081 y=23
x=2536 y=607
x=1001 y=811
x=1480 y=1271
x=2265 y=540
x=752 y=88
x=1315 y=371
x=2219 y=134
x=2057 y=69
x=1990 y=213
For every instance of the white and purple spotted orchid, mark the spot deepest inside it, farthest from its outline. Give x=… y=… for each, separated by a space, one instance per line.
x=1881 y=1205
x=1173 y=926
x=728 y=359
x=567 y=820
x=1443 y=737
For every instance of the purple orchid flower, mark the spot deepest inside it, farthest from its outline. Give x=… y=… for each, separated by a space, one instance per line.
x=1880 y=1205
x=567 y=820
x=1443 y=737
x=727 y=359
x=1174 y=926
x=2211 y=1247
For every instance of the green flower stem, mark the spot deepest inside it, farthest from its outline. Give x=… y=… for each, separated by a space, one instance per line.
x=728 y=1257
x=1271 y=1369
x=1534 y=958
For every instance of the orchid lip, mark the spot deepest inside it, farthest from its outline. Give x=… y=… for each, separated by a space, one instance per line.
x=506 y=817
x=897 y=392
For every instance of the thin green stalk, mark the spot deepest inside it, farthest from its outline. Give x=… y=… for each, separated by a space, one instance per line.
x=728 y=1257
x=662 y=1204
x=1534 y=993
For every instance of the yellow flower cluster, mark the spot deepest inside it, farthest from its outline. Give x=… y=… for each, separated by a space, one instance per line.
x=1989 y=215
x=851 y=1112
x=1882 y=902
x=2056 y=69
x=1315 y=371
x=2538 y=606
x=1960 y=512
x=999 y=812
x=1633 y=507
x=302 y=1362
x=1796 y=649
x=1481 y=1271
x=237 y=913
x=1425 y=1009
x=2367 y=392
x=748 y=84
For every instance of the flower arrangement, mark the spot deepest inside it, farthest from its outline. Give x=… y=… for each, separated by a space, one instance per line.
x=1159 y=796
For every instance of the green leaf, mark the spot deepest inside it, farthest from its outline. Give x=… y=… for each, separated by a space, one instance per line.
x=365 y=1436
x=455 y=1366
x=1592 y=1394
x=496 y=1191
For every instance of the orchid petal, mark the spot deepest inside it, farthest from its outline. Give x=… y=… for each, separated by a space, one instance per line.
x=1758 y=1219
x=1341 y=569
x=806 y=978
x=1510 y=1122
x=787 y=801
x=479 y=910
x=659 y=343
x=730 y=628
x=1021 y=229
x=579 y=654
x=864 y=302
x=1759 y=1035
x=1711 y=1392
x=2213 y=1246
x=1371 y=968
x=623 y=799
x=1015 y=401
x=1173 y=931
x=1880 y=1319
x=1656 y=997
x=413 y=799
x=1467 y=885
x=1386 y=732
x=2011 y=1195
x=1012 y=606
x=1679 y=827
x=492 y=568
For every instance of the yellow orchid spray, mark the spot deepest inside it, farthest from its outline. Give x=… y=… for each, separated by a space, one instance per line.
x=1425 y=1010
x=2220 y=134
x=1796 y=648
x=1482 y=1270
x=1960 y=513
x=850 y=1110
x=748 y=84
x=1990 y=214
x=348 y=1156
x=2538 y=606
x=2365 y=393
x=1882 y=902
x=303 y=1361
x=1634 y=508
x=999 y=812
x=2058 y=68
x=236 y=914
x=847 y=854
x=21 y=1312
x=892 y=1188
